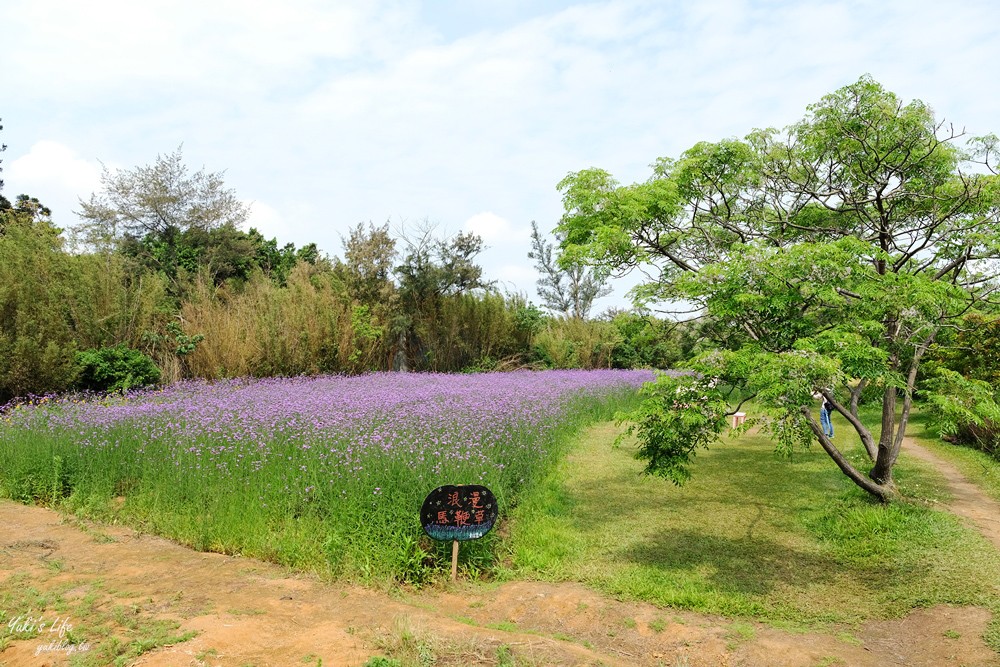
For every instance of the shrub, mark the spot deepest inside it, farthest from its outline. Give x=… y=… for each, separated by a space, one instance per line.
x=964 y=410
x=116 y=368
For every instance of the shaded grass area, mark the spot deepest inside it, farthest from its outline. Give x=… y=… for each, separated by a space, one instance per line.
x=752 y=535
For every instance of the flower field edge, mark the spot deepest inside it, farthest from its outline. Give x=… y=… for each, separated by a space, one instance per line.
x=324 y=474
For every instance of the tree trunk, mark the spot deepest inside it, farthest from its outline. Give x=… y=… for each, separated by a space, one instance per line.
x=884 y=492
x=852 y=416
x=882 y=472
x=856 y=395
x=911 y=383
x=399 y=362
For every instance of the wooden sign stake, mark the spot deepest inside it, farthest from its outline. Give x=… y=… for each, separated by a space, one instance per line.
x=458 y=513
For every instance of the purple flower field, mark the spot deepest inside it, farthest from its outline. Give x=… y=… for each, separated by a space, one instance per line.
x=260 y=453
x=428 y=417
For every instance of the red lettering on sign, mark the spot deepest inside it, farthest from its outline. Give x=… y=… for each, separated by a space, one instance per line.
x=480 y=515
x=453 y=500
x=461 y=517
x=443 y=517
x=475 y=500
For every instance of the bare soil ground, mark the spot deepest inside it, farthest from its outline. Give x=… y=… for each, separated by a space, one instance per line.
x=247 y=612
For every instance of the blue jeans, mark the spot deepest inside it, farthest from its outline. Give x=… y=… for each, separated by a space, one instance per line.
x=824 y=419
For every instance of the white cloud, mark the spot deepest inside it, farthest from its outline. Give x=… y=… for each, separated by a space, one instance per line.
x=519 y=274
x=81 y=49
x=490 y=226
x=268 y=221
x=49 y=162
x=340 y=112
x=55 y=174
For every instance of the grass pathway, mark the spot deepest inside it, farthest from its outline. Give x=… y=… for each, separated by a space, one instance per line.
x=968 y=500
x=752 y=535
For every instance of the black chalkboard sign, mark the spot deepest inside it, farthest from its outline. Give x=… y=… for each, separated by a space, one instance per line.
x=459 y=512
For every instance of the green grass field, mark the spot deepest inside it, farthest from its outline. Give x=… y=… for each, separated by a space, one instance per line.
x=790 y=542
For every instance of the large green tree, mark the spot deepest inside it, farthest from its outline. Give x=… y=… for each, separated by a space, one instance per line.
x=827 y=255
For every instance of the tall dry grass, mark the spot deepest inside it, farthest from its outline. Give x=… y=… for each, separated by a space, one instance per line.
x=571 y=342
x=309 y=326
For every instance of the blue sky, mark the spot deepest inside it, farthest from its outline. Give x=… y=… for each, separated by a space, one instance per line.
x=467 y=114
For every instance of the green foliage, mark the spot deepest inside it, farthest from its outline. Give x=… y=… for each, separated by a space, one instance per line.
x=959 y=384
x=185 y=344
x=277 y=262
x=438 y=282
x=680 y=414
x=973 y=350
x=379 y=661
x=964 y=410
x=117 y=368
x=24 y=207
x=832 y=252
x=570 y=342
x=645 y=342
x=434 y=267
x=529 y=319
x=367 y=267
x=366 y=333
x=37 y=284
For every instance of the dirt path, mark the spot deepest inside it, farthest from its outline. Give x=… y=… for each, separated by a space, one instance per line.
x=968 y=501
x=246 y=612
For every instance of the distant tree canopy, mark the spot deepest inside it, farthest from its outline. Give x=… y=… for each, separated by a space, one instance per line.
x=158 y=200
x=161 y=271
x=961 y=382
x=568 y=287
x=178 y=223
x=828 y=256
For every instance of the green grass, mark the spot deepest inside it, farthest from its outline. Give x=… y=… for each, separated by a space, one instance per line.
x=751 y=535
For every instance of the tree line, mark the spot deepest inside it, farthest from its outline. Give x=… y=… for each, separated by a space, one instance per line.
x=159 y=281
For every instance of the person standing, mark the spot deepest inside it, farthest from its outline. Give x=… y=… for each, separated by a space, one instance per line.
x=825 y=409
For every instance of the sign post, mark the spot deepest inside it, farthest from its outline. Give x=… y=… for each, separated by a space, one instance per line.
x=458 y=513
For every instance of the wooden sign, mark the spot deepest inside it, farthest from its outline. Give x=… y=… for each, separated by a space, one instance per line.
x=459 y=513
